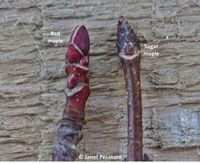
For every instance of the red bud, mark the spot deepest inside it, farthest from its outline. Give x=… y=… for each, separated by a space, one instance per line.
x=81 y=38
x=72 y=81
x=72 y=55
x=84 y=61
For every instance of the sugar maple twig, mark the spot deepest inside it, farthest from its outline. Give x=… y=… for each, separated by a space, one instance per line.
x=129 y=52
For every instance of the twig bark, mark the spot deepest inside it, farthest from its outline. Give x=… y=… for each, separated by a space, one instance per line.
x=129 y=52
x=77 y=93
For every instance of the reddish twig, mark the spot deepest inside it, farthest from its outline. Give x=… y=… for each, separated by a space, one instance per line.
x=77 y=93
x=129 y=51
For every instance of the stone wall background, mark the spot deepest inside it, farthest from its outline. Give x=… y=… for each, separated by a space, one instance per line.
x=32 y=78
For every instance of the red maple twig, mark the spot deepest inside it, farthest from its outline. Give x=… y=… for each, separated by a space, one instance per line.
x=129 y=52
x=77 y=93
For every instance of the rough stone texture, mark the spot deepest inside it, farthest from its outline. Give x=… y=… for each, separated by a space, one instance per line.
x=32 y=78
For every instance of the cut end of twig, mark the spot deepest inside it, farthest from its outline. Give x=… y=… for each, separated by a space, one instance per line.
x=127 y=42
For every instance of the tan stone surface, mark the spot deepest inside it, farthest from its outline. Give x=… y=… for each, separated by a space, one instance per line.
x=32 y=78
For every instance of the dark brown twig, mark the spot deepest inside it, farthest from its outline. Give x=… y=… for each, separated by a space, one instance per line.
x=129 y=52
